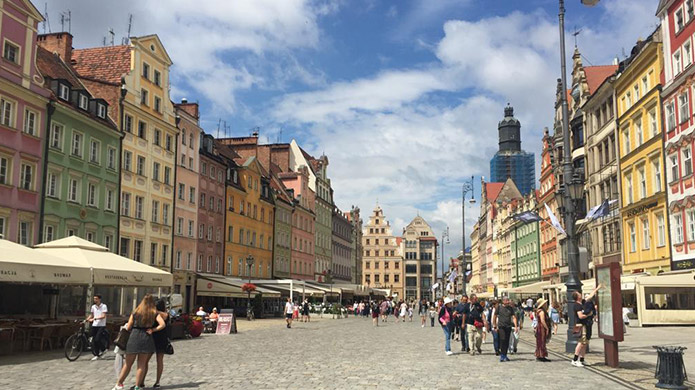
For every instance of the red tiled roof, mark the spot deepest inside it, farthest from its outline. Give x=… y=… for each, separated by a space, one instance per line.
x=107 y=63
x=595 y=75
x=493 y=190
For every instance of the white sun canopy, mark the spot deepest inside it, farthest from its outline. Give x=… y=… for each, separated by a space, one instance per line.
x=20 y=264
x=108 y=268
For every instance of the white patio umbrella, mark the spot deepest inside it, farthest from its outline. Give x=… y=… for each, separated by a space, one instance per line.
x=20 y=264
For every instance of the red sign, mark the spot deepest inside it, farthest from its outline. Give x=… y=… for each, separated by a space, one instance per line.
x=209 y=286
x=224 y=324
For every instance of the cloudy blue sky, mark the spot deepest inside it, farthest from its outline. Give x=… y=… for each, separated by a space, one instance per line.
x=402 y=96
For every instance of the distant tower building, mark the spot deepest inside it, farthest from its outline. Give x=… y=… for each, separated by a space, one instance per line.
x=510 y=161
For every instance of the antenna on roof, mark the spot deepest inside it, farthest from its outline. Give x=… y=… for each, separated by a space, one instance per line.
x=126 y=39
x=65 y=17
x=575 y=33
x=255 y=131
x=46 y=22
x=219 y=122
x=280 y=134
x=112 y=35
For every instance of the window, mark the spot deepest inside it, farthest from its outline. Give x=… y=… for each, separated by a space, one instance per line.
x=191 y=195
x=645 y=233
x=155 y=171
x=638 y=132
x=677 y=62
x=656 y=172
x=30 y=122
x=661 y=230
x=155 y=211
x=139 y=203
x=56 y=136
x=652 y=123
x=642 y=183
x=687 y=161
x=153 y=253
x=52 y=184
x=178 y=260
x=111 y=158
x=145 y=70
x=626 y=141
x=179 y=226
x=144 y=98
x=128 y=123
x=628 y=184
x=94 y=147
x=628 y=100
x=83 y=102
x=101 y=111
x=92 y=195
x=26 y=180
x=127 y=161
x=125 y=204
x=63 y=92
x=645 y=84
x=108 y=242
x=77 y=144
x=679 y=20
x=25 y=230
x=157 y=78
x=4 y=170
x=199 y=264
x=165 y=213
x=209 y=235
x=157 y=104
x=687 y=54
x=110 y=198
x=6 y=112
x=675 y=172
x=48 y=233
x=689 y=9
x=683 y=109
x=167 y=175
x=140 y=169
x=190 y=228
x=11 y=52
x=633 y=237
x=678 y=229
x=635 y=89
x=168 y=142
x=691 y=224
x=157 y=136
x=209 y=264
x=142 y=129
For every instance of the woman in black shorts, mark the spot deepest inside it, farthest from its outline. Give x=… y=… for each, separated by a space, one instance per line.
x=161 y=339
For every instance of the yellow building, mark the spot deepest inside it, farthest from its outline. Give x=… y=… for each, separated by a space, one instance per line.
x=134 y=79
x=643 y=208
x=249 y=221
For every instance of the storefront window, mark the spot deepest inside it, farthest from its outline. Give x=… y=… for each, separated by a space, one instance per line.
x=71 y=301
x=670 y=298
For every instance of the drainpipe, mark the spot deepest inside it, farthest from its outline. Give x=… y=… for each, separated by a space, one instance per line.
x=50 y=108
x=121 y=113
x=173 y=206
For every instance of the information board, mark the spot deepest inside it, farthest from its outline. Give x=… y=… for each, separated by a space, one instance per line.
x=605 y=299
x=224 y=324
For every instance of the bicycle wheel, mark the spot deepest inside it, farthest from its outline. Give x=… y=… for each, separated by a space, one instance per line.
x=74 y=346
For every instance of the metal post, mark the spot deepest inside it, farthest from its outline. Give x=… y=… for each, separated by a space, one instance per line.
x=573 y=283
x=467 y=187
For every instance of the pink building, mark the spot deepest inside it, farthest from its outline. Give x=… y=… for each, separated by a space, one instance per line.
x=23 y=116
x=303 y=217
x=211 y=207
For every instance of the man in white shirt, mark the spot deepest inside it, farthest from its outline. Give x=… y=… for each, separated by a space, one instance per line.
x=201 y=312
x=289 y=309
x=98 y=319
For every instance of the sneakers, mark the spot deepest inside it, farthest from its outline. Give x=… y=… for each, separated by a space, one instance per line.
x=480 y=351
x=118 y=387
x=95 y=358
x=577 y=363
x=449 y=353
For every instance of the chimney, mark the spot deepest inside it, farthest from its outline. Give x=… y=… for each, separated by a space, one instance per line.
x=60 y=43
x=184 y=101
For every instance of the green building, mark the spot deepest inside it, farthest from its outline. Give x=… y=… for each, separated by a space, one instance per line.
x=282 y=251
x=81 y=179
x=525 y=247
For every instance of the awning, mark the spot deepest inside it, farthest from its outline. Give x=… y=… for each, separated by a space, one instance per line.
x=533 y=288
x=298 y=288
x=20 y=264
x=684 y=279
x=218 y=286
x=484 y=295
x=108 y=268
x=326 y=289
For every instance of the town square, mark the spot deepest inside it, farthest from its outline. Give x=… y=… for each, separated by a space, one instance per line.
x=362 y=194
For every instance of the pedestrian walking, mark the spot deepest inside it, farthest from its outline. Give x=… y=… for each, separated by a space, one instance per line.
x=305 y=311
x=502 y=321
x=385 y=307
x=161 y=341
x=555 y=316
x=97 y=317
x=514 y=339
x=486 y=314
x=445 y=317
x=458 y=319
x=404 y=311
x=495 y=336
x=474 y=320
x=142 y=323
x=543 y=330
x=422 y=311
x=464 y=334
x=375 y=313
x=580 y=327
x=433 y=313
x=289 y=311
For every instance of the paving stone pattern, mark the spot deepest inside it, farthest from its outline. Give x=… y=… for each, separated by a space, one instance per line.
x=325 y=354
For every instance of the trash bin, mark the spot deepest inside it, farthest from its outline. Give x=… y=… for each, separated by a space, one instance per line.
x=670 y=370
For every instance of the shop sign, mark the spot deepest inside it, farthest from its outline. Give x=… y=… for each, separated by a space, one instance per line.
x=226 y=324
x=640 y=209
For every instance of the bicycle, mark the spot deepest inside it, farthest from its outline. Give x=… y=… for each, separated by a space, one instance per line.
x=81 y=341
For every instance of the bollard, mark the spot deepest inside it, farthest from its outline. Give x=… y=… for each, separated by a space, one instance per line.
x=670 y=370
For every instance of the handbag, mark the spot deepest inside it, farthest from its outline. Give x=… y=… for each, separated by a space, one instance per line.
x=122 y=338
x=478 y=324
x=169 y=350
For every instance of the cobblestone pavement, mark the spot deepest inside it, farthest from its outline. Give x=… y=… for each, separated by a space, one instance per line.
x=325 y=354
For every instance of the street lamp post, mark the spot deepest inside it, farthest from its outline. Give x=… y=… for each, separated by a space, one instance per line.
x=249 y=264
x=445 y=239
x=573 y=186
x=466 y=188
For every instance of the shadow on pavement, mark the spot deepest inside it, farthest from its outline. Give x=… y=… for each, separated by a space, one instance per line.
x=189 y=385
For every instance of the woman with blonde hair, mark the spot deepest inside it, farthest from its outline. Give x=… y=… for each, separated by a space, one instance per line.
x=144 y=321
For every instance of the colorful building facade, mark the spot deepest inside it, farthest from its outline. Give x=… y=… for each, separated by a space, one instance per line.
x=23 y=118
x=646 y=246
x=546 y=196
x=342 y=264
x=211 y=209
x=303 y=223
x=382 y=259
x=420 y=257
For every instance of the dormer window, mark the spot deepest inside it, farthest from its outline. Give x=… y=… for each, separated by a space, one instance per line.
x=84 y=102
x=101 y=111
x=63 y=92
x=11 y=52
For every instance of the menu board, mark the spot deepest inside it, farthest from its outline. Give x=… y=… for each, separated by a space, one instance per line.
x=605 y=301
x=226 y=324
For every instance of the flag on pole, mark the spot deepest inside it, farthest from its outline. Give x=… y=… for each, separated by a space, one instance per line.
x=553 y=220
x=453 y=275
x=435 y=286
x=527 y=217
